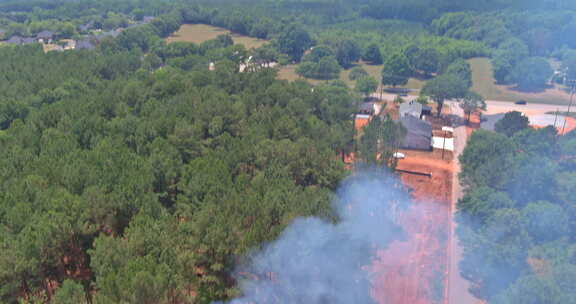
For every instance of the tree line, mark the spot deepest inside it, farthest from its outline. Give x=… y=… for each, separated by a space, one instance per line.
x=516 y=219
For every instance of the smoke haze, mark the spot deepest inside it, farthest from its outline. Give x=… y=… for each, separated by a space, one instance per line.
x=315 y=261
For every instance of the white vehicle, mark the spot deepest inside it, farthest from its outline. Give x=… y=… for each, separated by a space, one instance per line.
x=399 y=155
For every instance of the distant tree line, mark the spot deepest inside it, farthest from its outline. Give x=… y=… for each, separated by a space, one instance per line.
x=520 y=39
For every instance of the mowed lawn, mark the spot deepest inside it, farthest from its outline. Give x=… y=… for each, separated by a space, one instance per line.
x=198 y=33
x=289 y=73
x=484 y=83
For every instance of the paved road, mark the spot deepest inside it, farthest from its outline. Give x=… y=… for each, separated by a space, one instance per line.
x=457 y=285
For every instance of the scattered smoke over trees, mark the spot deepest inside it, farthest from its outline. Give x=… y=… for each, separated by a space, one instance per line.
x=517 y=218
x=315 y=261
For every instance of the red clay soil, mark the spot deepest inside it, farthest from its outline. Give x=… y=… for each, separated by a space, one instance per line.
x=570 y=126
x=404 y=273
x=360 y=123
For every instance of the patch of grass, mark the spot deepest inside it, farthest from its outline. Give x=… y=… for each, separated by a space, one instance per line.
x=288 y=72
x=484 y=83
x=198 y=33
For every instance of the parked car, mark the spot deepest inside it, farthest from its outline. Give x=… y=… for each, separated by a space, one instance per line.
x=399 y=155
x=521 y=102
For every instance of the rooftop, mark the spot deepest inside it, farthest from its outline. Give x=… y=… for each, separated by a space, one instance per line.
x=45 y=35
x=412 y=108
x=418 y=133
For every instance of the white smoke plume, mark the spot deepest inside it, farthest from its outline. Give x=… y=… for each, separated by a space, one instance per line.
x=318 y=262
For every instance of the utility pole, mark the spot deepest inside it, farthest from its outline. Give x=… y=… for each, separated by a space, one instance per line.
x=572 y=84
x=444 y=145
x=556 y=117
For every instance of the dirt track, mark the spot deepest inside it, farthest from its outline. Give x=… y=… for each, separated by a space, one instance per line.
x=413 y=271
x=457 y=285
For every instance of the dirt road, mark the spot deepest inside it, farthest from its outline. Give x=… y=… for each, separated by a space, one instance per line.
x=413 y=270
x=457 y=285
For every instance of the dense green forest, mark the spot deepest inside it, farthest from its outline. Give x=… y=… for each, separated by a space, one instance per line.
x=517 y=216
x=132 y=173
x=147 y=183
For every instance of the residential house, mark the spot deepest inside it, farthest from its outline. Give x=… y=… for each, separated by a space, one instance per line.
x=360 y=121
x=45 y=37
x=364 y=114
x=17 y=40
x=366 y=108
x=14 y=40
x=412 y=108
x=418 y=133
x=28 y=40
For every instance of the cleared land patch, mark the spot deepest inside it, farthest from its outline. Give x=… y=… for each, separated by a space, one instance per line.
x=484 y=83
x=288 y=72
x=198 y=33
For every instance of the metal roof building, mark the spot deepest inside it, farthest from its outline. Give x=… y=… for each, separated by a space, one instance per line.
x=418 y=133
x=366 y=108
x=412 y=108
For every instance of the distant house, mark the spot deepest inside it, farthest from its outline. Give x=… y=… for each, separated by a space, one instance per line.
x=17 y=40
x=366 y=108
x=14 y=40
x=45 y=36
x=411 y=108
x=28 y=40
x=418 y=133
x=361 y=120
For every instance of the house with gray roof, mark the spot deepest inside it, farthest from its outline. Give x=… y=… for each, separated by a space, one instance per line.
x=45 y=36
x=418 y=133
x=412 y=108
x=366 y=108
x=17 y=40
x=14 y=40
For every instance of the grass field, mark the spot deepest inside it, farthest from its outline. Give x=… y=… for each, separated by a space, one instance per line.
x=484 y=83
x=289 y=73
x=199 y=33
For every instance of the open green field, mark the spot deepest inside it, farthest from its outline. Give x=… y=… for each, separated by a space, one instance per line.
x=198 y=33
x=484 y=83
x=289 y=73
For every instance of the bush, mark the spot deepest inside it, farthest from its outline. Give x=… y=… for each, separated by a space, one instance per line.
x=357 y=73
x=326 y=68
